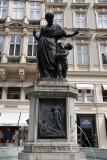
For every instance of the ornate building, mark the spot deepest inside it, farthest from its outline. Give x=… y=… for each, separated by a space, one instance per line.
x=87 y=62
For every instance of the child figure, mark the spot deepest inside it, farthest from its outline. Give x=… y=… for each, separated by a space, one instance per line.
x=61 y=58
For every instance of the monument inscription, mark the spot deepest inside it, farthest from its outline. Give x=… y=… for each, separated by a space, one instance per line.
x=52 y=118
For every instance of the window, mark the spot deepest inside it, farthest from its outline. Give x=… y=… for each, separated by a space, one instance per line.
x=102 y=1
x=102 y=20
x=104 y=54
x=82 y=54
x=18 y=10
x=13 y=93
x=80 y=96
x=0 y=92
x=58 y=0
x=80 y=20
x=3 y=8
x=1 y=43
x=105 y=95
x=31 y=46
x=79 y=1
x=89 y=95
x=26 y=96
x=15 y=41
x=58 y=18
x=35 y=10
x=85 y=95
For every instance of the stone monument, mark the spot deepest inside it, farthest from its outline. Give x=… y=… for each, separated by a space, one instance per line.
x=52 y=134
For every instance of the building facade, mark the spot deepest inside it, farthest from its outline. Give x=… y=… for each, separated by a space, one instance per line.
x=87 y=63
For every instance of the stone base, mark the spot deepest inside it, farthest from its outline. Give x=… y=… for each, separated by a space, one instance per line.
x=52 y=156
x=54 y=147
x=52 y=134
x=55 y=151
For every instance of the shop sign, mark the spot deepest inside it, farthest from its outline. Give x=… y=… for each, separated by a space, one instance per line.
x=7 y=124
x=10 y=106
x=85 y=122
x=85 y=108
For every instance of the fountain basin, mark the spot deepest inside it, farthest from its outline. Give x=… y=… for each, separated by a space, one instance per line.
x=20 y=159
x=99 y=153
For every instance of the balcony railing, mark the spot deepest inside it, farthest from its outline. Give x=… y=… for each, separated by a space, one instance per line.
x=13 y=60
x=13 y=95
x=31 y=22
x=30 y=60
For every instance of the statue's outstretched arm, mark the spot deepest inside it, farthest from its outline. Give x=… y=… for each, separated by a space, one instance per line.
x=67 y=35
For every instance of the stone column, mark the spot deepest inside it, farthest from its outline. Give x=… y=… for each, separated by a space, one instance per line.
x=22 y=96
x=74 y=56
x=98 y=95
x=31 y=120
x=76 y=128
x=4 y=93
x=42 y=23
x=101 y=130
x=5 y=46
x=72 y=121
x=24 y=49
x=9 y=11
x=26 y=14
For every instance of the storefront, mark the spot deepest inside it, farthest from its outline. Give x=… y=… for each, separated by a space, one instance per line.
x=13 y=128
x=86 y=130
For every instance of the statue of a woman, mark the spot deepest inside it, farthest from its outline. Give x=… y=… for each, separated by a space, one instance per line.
x=47 y=46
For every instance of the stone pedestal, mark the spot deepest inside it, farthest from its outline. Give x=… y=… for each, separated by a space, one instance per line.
x=51 y=133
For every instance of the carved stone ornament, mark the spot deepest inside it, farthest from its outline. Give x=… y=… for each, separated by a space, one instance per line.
x=52 y=91
x=52 y=118
x=43 y=149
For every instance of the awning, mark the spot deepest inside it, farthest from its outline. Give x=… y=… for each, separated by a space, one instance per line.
x=85 y=86
x=13 y=119
x=12 y=84
x=23 y=118
x=105 y=86
x=9 y=119
x=27 y=84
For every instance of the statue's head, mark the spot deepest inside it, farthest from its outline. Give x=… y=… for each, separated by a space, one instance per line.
x=68 y=46
x=49 y=18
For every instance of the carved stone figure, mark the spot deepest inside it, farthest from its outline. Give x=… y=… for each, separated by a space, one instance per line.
x=47 y=42
x=52 y=118
x=57 y=118
x=61 y=59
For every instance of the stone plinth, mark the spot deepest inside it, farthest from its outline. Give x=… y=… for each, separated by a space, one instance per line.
x=52 y=134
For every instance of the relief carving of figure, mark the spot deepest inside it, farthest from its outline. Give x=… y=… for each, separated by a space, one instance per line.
x=55 y=126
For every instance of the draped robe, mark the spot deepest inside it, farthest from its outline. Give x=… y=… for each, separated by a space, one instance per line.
x=47 y=50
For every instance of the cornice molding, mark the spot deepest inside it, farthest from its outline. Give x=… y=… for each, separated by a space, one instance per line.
x=80 y=5
x=101 y=36
x=57 y=5
x=100 y=5
x=52 y=89
x=83 y=36
x=87 y=73
x=16 y=23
